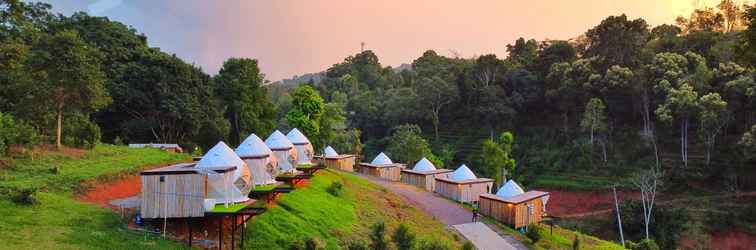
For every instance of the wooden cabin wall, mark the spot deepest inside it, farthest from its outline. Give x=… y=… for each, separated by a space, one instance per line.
x=514 y=215
x=388 y=173
x=343 y=164
x=425 y=181
x=179 y=196
x=463 y=192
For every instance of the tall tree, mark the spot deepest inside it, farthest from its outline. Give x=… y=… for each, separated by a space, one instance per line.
x=523 y=53
x=595 y=121
x=747 y=46
x=681 y=105
x=497 y=157
x=617 y=41
x=70 y=76
x=406 y=144
x=648 y=181
x=712 y=119
x=433 y=95
x=239 y=86
x=306 y=111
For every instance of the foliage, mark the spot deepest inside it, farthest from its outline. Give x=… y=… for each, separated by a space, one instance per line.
x=81 y=132
x=306 y=112
x=407 y=145
x=666 y=227
x=377 y=236
x=617 y=41
x=432 y=245
x=468 y=246
x=642 y=245
x=239 y=87
x=497 y=156
x=335 y=188
x=534 y=233
x=576 y=242
x=403 y=238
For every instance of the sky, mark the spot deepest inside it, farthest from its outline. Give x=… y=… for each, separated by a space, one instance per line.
x=294 y=37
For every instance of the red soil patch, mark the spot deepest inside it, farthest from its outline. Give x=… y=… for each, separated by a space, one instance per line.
x=569 y=203
x=734 y=240
x=103 y=193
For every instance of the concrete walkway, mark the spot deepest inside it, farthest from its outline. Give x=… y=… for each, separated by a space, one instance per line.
x=450 y=213
x=483 y=237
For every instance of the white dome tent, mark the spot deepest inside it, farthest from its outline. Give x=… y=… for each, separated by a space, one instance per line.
x=330 y=152
x=381 y=159
x=462 y=173
x=261 y=161
x=424 y=165
x=303 y=146
x=510 y=189
x=284 y=150
x=225 y=188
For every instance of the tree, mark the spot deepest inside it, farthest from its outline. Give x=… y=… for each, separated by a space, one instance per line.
x=712 y=119
x=554 y=52
x=407 y=145
x=706 y=19
x=306 y=111
x=681 y=105
x=648 y=181
x=595 y=121
x=523 y=53
x=497 y=157
x=566 y=87
x=403 y=237
x=239 y=87
x=377 y=236
x=331 y=122
x=433 y=94
x=730 y=13
x=617 y=41
x=69 y=75
x=746 y=49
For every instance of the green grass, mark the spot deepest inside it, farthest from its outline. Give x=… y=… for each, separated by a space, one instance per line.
x=232 y=208
x=58 y=221
x=311 y=212
x=559 y=238
x=264 y=188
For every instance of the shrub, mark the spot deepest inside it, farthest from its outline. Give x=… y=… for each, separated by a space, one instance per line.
x=335 y=188
x=79 y=131
x=25 y=196
x=432 y=245
x=533 y=233
x=377 y=237
x=576 y=242
x=666 y=228
x=403 y=238
x=642 y=245
x=468 y=246
x=313 y=244
x=357 y=245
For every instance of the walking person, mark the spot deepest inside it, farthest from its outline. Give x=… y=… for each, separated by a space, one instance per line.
x=475 y=212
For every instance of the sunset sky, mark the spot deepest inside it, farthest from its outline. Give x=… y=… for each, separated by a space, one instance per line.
x=291 y=37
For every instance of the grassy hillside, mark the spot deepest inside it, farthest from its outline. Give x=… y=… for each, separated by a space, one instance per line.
x=313 y=212
x=57 y=220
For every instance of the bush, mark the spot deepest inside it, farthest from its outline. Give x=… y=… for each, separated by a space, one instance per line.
x=377 y=237
x=80 y=132
x=357 y=245
x=403 y=238
x=25 y=196
x=642 y=245
x=16 y=132
x=533 y=233
x=667 y=224
x=468 y=246
x=308 y=244
x=432 y=245
x=576 y=242
x=335 y=188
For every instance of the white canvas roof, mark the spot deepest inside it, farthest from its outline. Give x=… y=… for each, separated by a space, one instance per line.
x=510 y=189
x=462 y=173
x=220 y=156
x=297 y=137
x=330 y=152
x=252 y=146
x=424 y=165
x=381 y=159
x=278 y=140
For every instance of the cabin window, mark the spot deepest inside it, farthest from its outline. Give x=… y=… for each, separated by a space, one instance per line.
x=162 y=178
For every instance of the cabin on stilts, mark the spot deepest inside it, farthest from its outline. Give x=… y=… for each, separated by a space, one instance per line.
x=514 y=207
x=262 y=163
x=333 y=160
x=303 y=147
x=462 y=185
x=382 y=167
x=284 y=151
x=424 y=174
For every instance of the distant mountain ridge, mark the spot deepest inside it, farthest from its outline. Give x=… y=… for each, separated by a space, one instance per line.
x=317 y=77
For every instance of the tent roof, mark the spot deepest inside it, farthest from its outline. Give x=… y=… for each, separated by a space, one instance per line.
x=220 y=156
x=252 y=146
x=424 y=165
x=278 y=140
x=510 y=189
x=462 y=173
x=330 y=152
x=381 y=159
x=297 y=137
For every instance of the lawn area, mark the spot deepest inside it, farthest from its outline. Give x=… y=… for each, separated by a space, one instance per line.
x=312 y=212
x=58 y=221
x=559 y=238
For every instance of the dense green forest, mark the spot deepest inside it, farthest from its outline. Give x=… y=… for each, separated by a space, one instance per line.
x=621 y=96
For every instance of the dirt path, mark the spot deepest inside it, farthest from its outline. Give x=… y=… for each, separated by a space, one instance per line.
x=450 y=213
